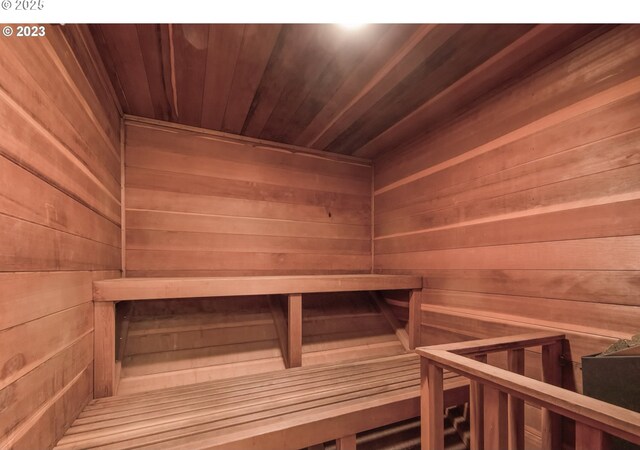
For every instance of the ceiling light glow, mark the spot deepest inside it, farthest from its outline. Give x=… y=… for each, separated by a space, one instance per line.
x=351 y=25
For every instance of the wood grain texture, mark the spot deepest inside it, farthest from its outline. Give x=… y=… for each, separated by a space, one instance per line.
x=495 y=418
x=521 y=213
x=431 y=405
x=104 y=374
x=591 y=438
x=281 y=410
x=609 y=418
x=319 y=85
x=197 y=202
x=516 y=364
x=415 y=318
x=476 y=407
x=177 y=342
x=149 y=288
x=59 y=227
x=346 y=443
x=294 y=330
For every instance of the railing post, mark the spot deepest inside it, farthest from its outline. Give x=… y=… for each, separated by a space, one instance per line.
x=589 y=438
x=476 y=405
x=515 y=363
x=431 y=406
x=495 y=419
x=551 y=423
x=346 y=442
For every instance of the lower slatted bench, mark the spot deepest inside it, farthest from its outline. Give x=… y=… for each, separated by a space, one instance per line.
x=106 y=293
x=287 y=409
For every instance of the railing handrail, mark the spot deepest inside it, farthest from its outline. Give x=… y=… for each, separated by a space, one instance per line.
x=499 y=344
x=598 y=414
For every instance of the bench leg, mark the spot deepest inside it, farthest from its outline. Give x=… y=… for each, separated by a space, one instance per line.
x=415 y=302
x=346 y=443
x=104 y=349
x=294 y=336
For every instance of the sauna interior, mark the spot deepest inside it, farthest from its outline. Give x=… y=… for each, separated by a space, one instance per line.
x=304 y=236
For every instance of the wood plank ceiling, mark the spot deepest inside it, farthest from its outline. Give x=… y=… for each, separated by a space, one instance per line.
x=320 y=86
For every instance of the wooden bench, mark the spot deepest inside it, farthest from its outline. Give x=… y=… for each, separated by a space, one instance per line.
x=287 y=409
x=108 y=292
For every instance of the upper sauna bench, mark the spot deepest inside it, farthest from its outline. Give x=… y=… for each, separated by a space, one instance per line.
x=120 y=289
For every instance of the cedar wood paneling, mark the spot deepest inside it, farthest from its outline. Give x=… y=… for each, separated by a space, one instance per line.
x=318 y=85
x=197 y=205
x=534 y=218
x=523 y=213
x=59 y=228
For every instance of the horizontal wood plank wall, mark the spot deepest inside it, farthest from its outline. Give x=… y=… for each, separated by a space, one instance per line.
x=200 y=205
x=59 y=228
x=523 y=213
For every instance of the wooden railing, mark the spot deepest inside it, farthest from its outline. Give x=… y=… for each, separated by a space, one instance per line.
x=497 y=397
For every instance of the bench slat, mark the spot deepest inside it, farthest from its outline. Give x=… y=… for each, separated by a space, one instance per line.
x=258 y=408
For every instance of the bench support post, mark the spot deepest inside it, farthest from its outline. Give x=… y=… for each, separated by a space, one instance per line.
x=280 y=322
x=104 y=349
x=415 y=319
x=294 y=335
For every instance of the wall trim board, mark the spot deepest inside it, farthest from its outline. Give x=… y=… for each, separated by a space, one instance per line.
x=123 y=198
x=259 y=143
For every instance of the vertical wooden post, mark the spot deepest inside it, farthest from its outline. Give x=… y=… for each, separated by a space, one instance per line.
x=294 y=335
x=123 y=205
x=415 y=303
x=346 y=443
x=104 y=349
x=280 y=322
x=495 y=419
x=551 y=423
x=431 y=406
x=589 y=438
x=515 y=363
x=476 y=404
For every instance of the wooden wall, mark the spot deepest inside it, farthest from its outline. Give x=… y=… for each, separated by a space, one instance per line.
x=524 y=212
x=200 y=204
x=59 y=228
